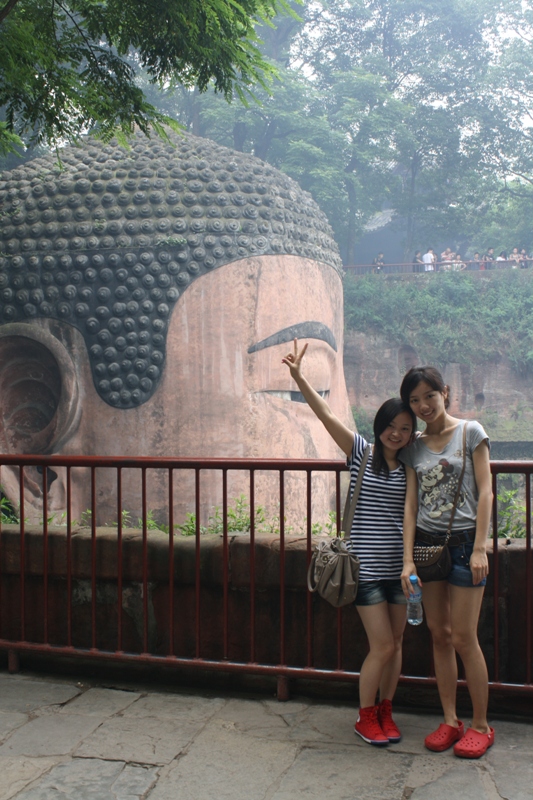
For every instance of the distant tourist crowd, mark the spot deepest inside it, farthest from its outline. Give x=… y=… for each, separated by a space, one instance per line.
x=449 y=261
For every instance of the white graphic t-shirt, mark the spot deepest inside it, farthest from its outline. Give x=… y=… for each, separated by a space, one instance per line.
x=438 y=475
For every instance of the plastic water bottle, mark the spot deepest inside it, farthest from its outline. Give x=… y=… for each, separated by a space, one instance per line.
x=415 y=613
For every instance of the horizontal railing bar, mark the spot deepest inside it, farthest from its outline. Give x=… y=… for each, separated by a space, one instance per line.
x=168 y=462
x=140 y=462
x=309 y=673
x=504 y=467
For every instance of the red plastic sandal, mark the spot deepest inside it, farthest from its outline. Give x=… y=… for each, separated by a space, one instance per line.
x=474 y=744
x=444 y=737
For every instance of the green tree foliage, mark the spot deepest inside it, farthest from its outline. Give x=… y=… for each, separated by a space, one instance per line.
x=449 y=317
x=506 y=220
x=64 y=66
x=418 y=105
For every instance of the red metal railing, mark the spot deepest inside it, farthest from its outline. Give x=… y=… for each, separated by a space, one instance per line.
x=18 y=601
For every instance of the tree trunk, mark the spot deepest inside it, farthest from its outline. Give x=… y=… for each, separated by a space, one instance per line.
x=352 y=210
x=262 y=147
x=195 y=114
x=239 y=136
x=9 y=6
x=352 y=207
x=413 y=172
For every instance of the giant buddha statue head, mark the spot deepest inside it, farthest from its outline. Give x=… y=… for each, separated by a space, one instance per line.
x=147 y=296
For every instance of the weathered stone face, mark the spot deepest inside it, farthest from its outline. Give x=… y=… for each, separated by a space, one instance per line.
x=110 y=243
x=121 y=335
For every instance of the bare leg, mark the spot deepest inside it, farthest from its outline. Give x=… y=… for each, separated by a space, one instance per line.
x=393 y=667
x=436 y=600
x=378 y=629
x=465 y=609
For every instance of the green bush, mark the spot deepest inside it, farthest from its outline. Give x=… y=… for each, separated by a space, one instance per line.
x=449 y=317
x=364 y=422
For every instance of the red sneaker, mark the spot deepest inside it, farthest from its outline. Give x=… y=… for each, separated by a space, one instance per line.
x=368 y=727
x=388 y=726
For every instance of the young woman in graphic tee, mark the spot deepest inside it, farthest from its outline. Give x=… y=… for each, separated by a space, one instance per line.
x=434 y=462
x=376 y=537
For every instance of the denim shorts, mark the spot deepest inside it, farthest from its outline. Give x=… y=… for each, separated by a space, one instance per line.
x=369 y=593
x=461 y=575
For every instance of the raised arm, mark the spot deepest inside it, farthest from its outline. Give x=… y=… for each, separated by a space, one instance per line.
x=342 y=435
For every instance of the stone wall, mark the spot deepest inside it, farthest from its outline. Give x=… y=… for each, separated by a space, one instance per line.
x=493 y=394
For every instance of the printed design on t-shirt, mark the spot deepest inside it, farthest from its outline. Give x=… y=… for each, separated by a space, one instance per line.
x=438 y=487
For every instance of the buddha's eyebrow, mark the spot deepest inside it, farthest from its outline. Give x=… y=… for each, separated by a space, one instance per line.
x=303 y=330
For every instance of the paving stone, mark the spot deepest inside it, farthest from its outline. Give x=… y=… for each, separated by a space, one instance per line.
x=18 y=772
x=509 y=760
x=92 y=779
x=314 y=722
x=10 y=721
x=225 y=764
x=255 y=718
x=100 y=702
x=296 y=722
x=49 y=735
x=428 y=768
x=344 y=774
x=152 y=730
x=133 y=782
x=174 y=706
x=24 y=695
x=147 y=741
x=467 y=780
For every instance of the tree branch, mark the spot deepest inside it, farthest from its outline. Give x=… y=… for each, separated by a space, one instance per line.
x=521 y=175
x=90 y=47
x=9 y=6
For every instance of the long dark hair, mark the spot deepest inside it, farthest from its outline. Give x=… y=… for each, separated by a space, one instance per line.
x=385 y=414
x=431 y=376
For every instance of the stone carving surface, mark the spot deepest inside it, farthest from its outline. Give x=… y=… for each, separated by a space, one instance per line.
x=109 y=242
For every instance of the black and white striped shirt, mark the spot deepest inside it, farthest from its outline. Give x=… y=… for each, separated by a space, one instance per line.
x=376 y=534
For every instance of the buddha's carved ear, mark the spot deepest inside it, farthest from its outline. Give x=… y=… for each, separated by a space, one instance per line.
x=39 y=393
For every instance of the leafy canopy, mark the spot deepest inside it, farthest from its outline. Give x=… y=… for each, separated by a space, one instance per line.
x=421 y=106
x=64 y=66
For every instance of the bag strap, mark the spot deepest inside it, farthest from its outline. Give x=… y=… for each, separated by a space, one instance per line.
x=349 y=507
x=459 y=485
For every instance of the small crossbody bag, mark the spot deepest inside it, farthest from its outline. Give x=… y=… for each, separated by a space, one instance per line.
x=434 y=562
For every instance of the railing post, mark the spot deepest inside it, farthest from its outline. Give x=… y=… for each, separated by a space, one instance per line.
x=13 y=661
x=283 y=691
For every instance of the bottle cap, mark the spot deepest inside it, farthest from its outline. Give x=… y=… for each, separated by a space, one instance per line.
x=413 y=578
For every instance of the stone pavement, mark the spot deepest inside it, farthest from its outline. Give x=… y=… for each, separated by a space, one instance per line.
x=63 y=740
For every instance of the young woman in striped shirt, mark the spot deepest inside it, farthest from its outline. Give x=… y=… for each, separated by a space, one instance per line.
x=376 y=537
